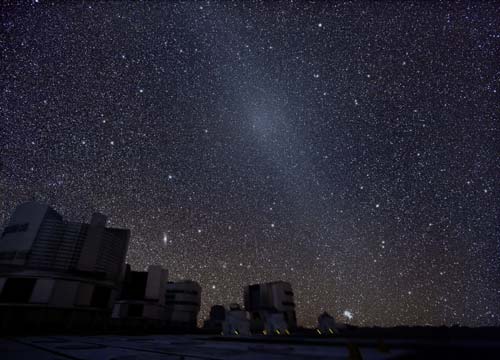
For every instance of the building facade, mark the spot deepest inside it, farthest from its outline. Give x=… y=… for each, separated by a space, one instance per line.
x=263 y=300
x=141 y=303
x=58 y=274
x=236 y=321
x=182 y=302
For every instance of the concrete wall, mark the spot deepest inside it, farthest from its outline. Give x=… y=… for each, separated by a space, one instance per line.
x=84 y=294
x=42 y=291
x=64 y=294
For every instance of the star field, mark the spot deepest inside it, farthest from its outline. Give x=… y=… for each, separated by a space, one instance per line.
x=350 y=148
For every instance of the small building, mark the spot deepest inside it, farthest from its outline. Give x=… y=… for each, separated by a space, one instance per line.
x=236 y=322
x=326 y=324
x=182 y=305
x=141 y=304
x=262 y=301
x=57 y=275
x=216 y=319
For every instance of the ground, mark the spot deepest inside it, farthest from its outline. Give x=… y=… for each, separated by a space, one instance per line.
x=122 y=347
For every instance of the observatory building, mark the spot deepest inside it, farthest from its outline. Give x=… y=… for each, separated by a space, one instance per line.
x=266 y=302
x=182 y=302
x=141 y=303
x=56 y=274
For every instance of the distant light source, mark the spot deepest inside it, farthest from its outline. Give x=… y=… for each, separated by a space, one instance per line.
x=348 y=314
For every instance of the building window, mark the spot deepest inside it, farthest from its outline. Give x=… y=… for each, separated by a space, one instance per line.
x=135 y=309
x=17 y=290
x=15 y=228
x=192 y=292
x=100 y=297
x=7 y=255
x=181 y=302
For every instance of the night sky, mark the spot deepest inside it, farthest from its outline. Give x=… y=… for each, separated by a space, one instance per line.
x=350 y=148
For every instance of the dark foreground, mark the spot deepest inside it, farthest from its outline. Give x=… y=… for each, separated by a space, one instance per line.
x=127 y=347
